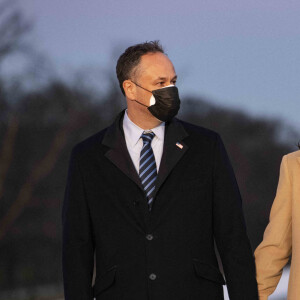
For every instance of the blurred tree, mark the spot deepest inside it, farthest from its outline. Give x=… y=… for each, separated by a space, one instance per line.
x=13 y=26
x=51 y=121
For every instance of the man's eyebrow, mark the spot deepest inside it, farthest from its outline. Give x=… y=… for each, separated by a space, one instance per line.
x=165 y=78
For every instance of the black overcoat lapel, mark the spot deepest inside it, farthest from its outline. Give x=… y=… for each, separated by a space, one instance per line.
x=174 y=149
x=118 y=154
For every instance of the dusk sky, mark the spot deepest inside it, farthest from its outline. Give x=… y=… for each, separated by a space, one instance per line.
x=242 y=54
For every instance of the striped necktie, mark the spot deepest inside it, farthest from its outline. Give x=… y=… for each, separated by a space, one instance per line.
x=148 y=172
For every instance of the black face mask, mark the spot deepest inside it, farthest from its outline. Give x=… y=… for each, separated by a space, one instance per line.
x=167 y=102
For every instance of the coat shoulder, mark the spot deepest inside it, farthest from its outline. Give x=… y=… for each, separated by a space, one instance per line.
x=292 y=158
x=90 y=144
x=199 y=131
x=293 y=155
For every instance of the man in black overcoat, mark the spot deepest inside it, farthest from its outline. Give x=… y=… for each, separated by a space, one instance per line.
x=147 y=197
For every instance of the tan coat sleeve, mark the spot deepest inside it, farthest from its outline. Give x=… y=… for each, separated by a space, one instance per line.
x=274 y=251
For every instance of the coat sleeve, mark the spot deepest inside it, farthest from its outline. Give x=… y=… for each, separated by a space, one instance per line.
x=78 y=248
x=230 y=230
x=274 y=251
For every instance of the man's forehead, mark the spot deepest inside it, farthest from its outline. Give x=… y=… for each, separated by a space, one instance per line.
x=156 y=58
x=156 y=64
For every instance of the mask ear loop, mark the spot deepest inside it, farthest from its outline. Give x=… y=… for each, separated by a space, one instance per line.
x=143 y=89
x=139 y=103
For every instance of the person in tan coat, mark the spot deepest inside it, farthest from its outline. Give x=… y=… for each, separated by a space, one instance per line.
x=282 y=235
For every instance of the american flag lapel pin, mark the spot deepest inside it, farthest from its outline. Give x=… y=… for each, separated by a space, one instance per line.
x=179 y=145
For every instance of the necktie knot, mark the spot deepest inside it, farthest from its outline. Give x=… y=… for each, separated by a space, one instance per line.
x=147 y=137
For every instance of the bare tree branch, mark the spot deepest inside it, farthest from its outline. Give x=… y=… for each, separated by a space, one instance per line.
x=13 y=26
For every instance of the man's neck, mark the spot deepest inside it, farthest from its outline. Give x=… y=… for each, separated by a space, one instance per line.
x=146 y=123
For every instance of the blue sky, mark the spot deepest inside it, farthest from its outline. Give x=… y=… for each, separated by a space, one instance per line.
x=242 y=54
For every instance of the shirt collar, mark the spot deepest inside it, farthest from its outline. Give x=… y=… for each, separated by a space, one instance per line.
x=134 y=132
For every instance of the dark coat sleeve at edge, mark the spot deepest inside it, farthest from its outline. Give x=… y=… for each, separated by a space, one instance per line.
x=78 y=246
x=230 y=230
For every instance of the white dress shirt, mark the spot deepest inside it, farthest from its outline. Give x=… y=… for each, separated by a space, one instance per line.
x=134 y=141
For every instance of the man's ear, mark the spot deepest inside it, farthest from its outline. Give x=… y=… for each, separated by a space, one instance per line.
x=129 y=89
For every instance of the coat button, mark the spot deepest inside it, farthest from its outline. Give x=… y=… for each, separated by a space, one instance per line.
x=149 y=237
x=152 y=276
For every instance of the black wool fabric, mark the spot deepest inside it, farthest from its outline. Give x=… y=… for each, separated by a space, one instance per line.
x=166 y=253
